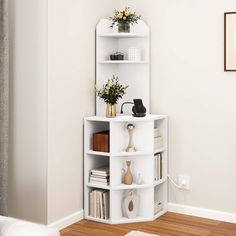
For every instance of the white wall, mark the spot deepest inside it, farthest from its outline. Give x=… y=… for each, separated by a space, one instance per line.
x=28 y=111
x=189 y=84
x=71 y=97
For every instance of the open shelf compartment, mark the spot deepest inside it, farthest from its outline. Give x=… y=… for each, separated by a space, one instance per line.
x=137 y=164
x=145 y=211
x=92 y=127
x=160 y=197
x=93 y=163
x=88 y=205
x=142 y=138
x=161 y=125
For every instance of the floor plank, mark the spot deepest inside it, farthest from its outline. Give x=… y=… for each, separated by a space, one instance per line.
x=170 y=224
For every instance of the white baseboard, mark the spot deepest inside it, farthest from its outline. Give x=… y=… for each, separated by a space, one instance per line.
x=202 y=212
x=68 y=220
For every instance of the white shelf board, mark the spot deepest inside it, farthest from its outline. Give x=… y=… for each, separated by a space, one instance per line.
x=91 y=152
x=124 y=220
x=159 y=150
x=132 y=186
x=98 y=186
x=123 y=35
x=158 y=182
x=128 y=154
x=98 y=219
x=119 y=154
x=126 y=118
x=160 y=213
x=122 y=62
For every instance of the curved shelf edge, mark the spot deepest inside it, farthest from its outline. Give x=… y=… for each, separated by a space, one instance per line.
x=100 y=186
x=132 y=186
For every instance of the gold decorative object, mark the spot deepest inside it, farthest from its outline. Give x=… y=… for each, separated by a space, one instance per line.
x=111 y=110
x=130 y=148
x=128 y=178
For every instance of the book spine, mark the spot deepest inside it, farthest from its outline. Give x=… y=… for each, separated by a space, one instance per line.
x=100 y=203
x=103 y=206
x=97 y=204
x=90 y=203
x=161 y=165
x=155 y=168
x=108 y=205
x=94 y=203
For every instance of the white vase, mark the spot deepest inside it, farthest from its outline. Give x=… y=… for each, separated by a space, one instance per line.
x=131 y=205
x=134 y=54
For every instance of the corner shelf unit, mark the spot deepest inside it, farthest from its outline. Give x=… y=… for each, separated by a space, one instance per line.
x=142 y=161
x=135 y=74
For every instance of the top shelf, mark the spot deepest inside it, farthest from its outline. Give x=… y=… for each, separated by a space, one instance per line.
x=122 y=62
x=123 y=35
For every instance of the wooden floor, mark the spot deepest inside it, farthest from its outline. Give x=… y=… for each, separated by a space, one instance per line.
x=170 y=224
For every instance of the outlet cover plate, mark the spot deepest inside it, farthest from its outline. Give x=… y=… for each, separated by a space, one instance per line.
x=184 y=182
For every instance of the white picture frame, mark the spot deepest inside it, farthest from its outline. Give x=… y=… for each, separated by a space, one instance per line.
x=230 y=41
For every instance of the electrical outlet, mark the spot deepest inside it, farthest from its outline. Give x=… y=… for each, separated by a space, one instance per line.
x=184 y=182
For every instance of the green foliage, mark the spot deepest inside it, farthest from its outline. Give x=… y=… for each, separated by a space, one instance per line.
x=112 y=91
x=124 y=16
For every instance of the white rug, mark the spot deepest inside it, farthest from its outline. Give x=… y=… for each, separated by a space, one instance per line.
x=138 y=233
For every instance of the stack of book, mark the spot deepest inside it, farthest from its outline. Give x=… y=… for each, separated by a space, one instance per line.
x=99 y=204
x=158 y=140
x=100 y=176
x=158 y=166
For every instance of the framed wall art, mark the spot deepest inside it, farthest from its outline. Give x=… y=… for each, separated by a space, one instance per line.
x=230 y=41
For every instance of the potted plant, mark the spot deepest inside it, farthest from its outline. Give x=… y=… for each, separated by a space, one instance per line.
x=111 y=92
x=123 y=19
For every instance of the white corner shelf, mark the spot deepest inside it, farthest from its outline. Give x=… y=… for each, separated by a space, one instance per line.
x=135 y=74
x=141 y=162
